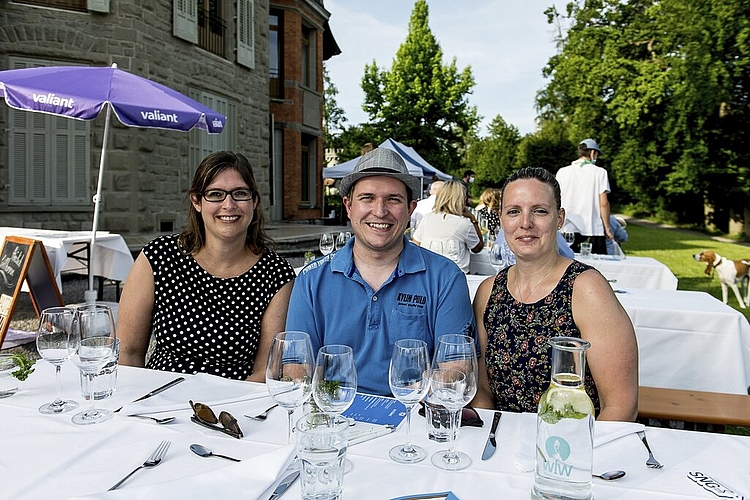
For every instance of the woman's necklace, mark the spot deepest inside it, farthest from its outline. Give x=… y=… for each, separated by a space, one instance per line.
x=518 y=285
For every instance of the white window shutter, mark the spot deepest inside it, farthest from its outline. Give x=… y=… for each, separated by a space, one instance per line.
x=185 y=20
x=246 y=33
x=98 y=6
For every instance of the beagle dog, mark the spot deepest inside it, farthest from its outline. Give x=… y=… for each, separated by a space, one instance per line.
x=730 y=272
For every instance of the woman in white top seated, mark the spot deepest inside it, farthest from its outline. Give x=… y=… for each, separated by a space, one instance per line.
x=450 y=229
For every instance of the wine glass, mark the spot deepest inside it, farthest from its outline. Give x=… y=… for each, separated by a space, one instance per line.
x=326 y=243
x=342 y=238
x=570 y=238
x=54 y=341
x=95 y=347
x=408 y=377
x=457 y=353
x=289 y=372
x=335 y=379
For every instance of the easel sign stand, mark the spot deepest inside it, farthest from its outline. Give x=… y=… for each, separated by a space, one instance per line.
x=25 y=259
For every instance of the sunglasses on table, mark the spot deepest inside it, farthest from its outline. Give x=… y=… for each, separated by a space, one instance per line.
x=205 y=416
x=469 y=416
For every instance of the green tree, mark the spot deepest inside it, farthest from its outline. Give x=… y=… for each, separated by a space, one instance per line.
x=334 y=117
x=663 y=86
x=420 y=101
x=493 y=158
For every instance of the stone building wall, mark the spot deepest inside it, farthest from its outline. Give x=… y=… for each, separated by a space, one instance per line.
x=147 y=172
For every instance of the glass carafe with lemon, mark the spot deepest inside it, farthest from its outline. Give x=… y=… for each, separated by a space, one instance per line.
x=565 y=427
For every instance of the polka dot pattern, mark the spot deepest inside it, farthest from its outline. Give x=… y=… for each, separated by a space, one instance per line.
x=207 y=324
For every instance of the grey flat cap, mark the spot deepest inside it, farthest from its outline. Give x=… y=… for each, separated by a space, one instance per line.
x=591 y=144
x=381 y=161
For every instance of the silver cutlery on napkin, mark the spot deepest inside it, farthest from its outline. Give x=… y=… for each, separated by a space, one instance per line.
x=489 y=448
x=286 y=482
x=152 y=461
x=651 y=463
x=157 y=390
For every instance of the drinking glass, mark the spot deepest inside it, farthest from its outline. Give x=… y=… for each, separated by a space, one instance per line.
x=342 y=238
x=335 y=379
x=54 y=341
x=289 y=372
x=457 y=353
x=408 y=377
x=94 y=329
x=326 y=243
x=570 y=238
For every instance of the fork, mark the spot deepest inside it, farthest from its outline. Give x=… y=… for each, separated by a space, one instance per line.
x=152 y=461
x=262 y=416
x=651 y=463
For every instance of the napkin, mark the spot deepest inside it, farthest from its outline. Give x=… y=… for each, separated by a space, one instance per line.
x=201 y=387
x=604 y=432
x=253 y=478
x=443 y=495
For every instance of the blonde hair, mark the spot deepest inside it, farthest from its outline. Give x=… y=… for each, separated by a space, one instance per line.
x=490 y=198
x=450 y=199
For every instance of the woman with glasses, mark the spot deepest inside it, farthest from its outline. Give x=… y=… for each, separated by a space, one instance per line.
x=214 y=295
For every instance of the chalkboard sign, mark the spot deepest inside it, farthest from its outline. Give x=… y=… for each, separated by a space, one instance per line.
x=25 y=259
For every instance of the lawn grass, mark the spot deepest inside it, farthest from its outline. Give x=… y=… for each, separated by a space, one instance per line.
x=675 y=249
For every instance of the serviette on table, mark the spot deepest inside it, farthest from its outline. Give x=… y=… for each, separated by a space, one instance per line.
x=604 y=432
x=253 y=478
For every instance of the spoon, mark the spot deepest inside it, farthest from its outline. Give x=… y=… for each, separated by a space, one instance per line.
x=164 y=420
x=610 y=475
x=202 y=451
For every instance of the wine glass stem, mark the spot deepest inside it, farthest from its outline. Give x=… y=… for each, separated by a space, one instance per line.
x=407 y=445
x=289 y=412
x=58 y=399
x=455 y=422
x=92 y=410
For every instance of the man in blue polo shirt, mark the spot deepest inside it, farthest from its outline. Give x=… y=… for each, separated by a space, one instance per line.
x=380 y=287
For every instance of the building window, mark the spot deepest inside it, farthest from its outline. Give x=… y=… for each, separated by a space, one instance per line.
x=49 y=156
x=307 y=164
x=77 y=5
x=308 y=57
x=211 y=26
x=275 y=62
x=203 y=143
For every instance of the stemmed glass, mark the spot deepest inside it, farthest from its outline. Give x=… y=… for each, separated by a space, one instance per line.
x=342 y=238
x=454 y=352
x=289 y=372
x=54 y=341
x=408 y=377
x=95 y=346
x=569 y=238
x=326 y=243
x=335 y=379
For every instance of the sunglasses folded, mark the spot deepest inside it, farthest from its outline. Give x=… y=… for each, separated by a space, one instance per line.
x=205 y=416
x=469 y=416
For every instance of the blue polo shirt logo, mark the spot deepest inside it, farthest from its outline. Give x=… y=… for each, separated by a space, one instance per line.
x=411 y=300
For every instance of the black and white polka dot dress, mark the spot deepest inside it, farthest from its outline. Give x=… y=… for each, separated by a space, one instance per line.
x=207 y=324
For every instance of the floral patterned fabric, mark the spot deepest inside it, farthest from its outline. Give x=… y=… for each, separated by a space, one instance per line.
x=518 y=356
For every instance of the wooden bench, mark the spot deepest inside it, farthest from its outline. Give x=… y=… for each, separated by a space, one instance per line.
x=694 y=406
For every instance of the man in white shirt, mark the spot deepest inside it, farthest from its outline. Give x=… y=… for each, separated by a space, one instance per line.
x=425 y=206
x=584 y=188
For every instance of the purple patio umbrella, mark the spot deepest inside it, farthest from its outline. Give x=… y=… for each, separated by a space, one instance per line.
x=80 y=92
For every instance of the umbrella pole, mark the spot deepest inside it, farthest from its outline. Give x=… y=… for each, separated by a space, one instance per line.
x=90 y=294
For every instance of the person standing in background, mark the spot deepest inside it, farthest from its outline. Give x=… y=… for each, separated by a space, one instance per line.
x=468 y=179
x=488 y=208
x=584 y=197
x=618 y=226
x=425 y=206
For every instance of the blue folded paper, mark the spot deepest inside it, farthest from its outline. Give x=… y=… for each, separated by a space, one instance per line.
x=443 y=495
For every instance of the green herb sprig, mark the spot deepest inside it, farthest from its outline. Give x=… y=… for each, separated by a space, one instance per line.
x=25 y=366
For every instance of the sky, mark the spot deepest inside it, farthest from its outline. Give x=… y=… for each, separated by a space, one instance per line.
x=507 y=43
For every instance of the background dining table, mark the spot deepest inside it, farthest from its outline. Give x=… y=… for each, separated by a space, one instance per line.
x=46 y=456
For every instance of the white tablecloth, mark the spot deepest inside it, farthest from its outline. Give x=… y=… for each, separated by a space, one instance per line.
x=631 y=272
x=49 y=457
x=686 y=340
x=112 y=260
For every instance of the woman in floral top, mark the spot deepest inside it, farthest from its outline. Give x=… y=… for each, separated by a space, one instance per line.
x=546 y=295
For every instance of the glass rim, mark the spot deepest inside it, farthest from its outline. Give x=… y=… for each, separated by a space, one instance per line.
x=335 y=349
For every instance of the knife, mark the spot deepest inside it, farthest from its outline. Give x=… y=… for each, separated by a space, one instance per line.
x=284 y=484
x=157 y=390
x=489 y=448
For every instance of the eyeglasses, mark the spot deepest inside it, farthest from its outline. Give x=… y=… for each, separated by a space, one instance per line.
x=205 y=416
x=469 y=416
x=217 y=195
